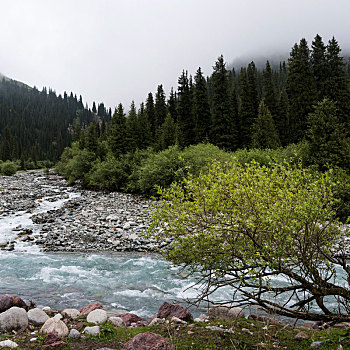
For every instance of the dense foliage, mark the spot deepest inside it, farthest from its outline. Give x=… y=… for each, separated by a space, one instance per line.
x=245 y=225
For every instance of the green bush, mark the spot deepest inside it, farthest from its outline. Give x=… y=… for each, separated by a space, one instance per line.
x=8 y=168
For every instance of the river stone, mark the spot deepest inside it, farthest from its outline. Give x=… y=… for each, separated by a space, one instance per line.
x=225 y=312
x=13 y=319
x=148 y=341
x=56 y=326
x=168 y=310
x=8 y=344
x=74 y=334
x=301 y=336
x=97 y=316
x=116 y=321
x=95 y=330
x=72 y=313
x=7 y=301
x=316 y=344
x=37 y=317
x=156 y=321
x=91 y=307
x=129 y=318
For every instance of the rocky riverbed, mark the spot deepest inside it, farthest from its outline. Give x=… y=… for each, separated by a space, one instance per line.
x=86 y=221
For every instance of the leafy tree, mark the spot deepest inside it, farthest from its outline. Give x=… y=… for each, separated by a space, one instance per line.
x=301 y=90
x=243 y=226
x=223 y=132
x=264 y=131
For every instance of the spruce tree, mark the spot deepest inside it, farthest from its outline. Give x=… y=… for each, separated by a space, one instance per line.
x=132 y=129
x=160 y=108
x=336 y=86
x=264 y=131
x=327 y=136
x=168 y=133
x=201 y=109
x=184 y=112
x=149 y=110
x=269 y=90
x=249 y=104
x=319 y=66
x=301 y=90
x=223 y=132
x=172 y=105
x=145 y=137
x=117 y=132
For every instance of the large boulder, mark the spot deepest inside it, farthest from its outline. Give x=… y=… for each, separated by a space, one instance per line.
x=148 y=341
x=225 y=312
x=116 y=321
x=91 y=307
x=168 y=310
x=14 y=318
x=97 y=316
x=6 y=302
x=37 y=317
x=55 y=325
x=95 y=330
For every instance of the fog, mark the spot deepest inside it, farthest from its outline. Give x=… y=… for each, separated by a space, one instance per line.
x=116 y=51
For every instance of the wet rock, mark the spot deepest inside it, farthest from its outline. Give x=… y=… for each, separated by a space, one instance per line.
x=116 y=321
x=129 y=318
x=14 y=318
x=148 y=341
x=225 y=312
x=301 y=336
x=8 y=344
x=52 y=340
x=91 y=307
x=72 y=313
x=97 y=316
x=168 y=310
x=95 y=330
x=55 y=325
x=74 y=334
x=7 y=301
x=37 y=317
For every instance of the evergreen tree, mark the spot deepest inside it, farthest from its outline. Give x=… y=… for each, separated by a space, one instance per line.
x=328 y=142
x=168 y=133
x=223 y=132
x=92 y=138
x=117 y=132
x=160 y=108
x=132 y=129
x=264 y=131
x=201 y=109
x=184 y=112
x=145 y=137
x=249 y=104
x=172 y=105
x=319 y=66
x=150 y=113
x=269 y=91
x=336 y=86
x=282 y=120
x=301 y=90
x=94 y=110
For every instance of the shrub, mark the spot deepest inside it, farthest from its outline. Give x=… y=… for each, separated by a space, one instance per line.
x=8 y=168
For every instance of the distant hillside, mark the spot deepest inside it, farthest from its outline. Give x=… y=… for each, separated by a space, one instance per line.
x=35 y=124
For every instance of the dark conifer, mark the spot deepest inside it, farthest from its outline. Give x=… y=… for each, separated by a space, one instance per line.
x=301 y=90
x=201 y=109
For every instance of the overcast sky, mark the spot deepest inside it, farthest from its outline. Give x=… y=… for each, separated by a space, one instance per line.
x=115 y=51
